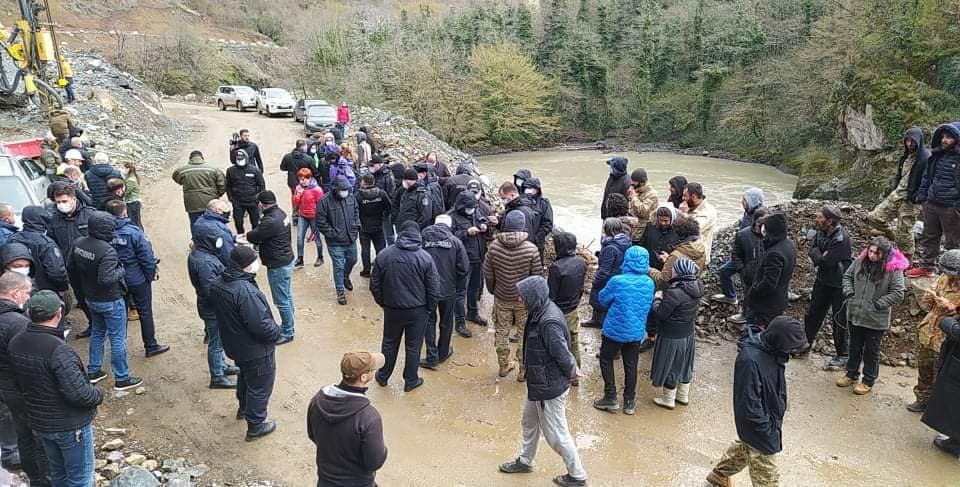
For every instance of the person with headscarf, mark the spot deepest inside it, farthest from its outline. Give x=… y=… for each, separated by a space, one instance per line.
x=760 y=403
x=675 y=310
x=871 y=286
x=677 y=183
x=658 y=235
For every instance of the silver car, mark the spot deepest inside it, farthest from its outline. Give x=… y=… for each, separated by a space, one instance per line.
x=319 y=118
x=23 y=182
x=274 y=101
x=239 y=97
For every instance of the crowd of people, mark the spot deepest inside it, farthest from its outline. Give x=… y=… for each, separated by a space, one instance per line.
x=431 y=244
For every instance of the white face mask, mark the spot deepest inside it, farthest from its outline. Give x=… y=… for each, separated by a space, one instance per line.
x=407 y=184
x=469 y=211
x=530 y=191
x=23 y=271
x=241 y=162
x=64 y=207
x=343 y=194
x=253 y=268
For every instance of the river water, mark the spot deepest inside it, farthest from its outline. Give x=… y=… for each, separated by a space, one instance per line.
x=573 y=181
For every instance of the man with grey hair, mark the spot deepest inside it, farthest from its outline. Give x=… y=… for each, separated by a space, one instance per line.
x=8 y=220
x=450 y=258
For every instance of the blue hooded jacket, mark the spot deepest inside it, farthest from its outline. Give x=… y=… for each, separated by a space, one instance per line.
x=205 y=267
x=628 y=298
x=135 y=253
x=217 y=223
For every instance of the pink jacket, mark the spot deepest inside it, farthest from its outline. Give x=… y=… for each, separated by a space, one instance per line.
x=896 y=262
x=343 y=114
x=305 y=199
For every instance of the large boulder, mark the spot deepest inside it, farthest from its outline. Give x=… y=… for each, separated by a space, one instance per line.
x=859 y=130
x=135 y=477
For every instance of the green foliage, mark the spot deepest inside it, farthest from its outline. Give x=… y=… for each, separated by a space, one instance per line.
x=271 y=27
x=174 y=82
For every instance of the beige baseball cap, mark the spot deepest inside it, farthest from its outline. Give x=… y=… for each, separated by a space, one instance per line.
x=355 y=364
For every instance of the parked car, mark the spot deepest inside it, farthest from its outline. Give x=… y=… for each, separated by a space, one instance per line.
x=319 y=118
x=23 y=182
x=239 y=97
x=300 y=110
x=274 y=101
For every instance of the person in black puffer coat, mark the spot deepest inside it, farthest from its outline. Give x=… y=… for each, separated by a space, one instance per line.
x=338 y=218
x=385 y=180
x=249 y=335
x=204 y=267
x=659 y=235
x=612 y=247
x=513 y=200
x=767 y=296
x=244 y=183
x=617 y=182
x=276 y=253
x=565 y=279
x=533 y=190
x=450 y=259
x=97 y=177
x=49 y=271
x=375 y=209
x=940 y=194
x=404 y=282
x=457 y=184
x=676 y=315
x=469 y=225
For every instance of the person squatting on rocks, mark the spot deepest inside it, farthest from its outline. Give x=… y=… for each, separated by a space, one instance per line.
x=940 y=300
x=404 y=282
x=244 y=183
x=752 y=200
x=272 y=237
x=940 y=194
x=205 y=266
x=201 y=183
x=698 y=208
x=95 y=267
x=745 y=257
x=901 y=206
x=306 y=200
x=249 y=335
x=469 y=220
x=338 y=218
x=759 y=403
x=451 y=262
x=547 y=350
x=941 y=412
x=872 y=285
x=59 y=399
x=613 y=246
x=627 y=297
x=375 y=208
x=140 y=270
x=565 y=280
x=617 y=182
x=675 y=311
x=830 y=254
x=766 y=296
x=510 y=259
x=346 y=428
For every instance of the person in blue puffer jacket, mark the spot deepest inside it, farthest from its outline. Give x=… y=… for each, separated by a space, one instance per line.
x=627 y=297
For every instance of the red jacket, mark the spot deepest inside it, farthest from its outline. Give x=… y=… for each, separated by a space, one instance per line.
x=305 y=199
x=343 y=114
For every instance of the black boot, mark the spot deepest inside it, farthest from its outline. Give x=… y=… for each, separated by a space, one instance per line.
x=948 y=445
x=222 y=382
x=299 y=262
x=463 y=331
x=260 y=430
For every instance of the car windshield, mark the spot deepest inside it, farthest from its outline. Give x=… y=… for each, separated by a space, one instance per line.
x=15 y=192
x=276 y=93
x=321 y=111
x=244 y=90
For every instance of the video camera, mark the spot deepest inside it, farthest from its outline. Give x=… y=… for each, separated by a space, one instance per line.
x=234 y=140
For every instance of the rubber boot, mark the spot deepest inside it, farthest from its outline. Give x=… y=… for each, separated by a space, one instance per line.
x=668 y=399
x=683 y=394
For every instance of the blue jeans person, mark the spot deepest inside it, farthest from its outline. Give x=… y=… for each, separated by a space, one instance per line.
x=108 y=320
x=214 y=348
x=388 y=234
x=71 y=94
x=254 y=387
x=727 y=271
x=70 y=456
x=280 y=290
x=468 y=293
x=344 y=257
x=304 y=224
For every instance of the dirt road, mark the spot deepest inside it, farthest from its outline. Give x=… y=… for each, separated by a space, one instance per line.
x=456 y=429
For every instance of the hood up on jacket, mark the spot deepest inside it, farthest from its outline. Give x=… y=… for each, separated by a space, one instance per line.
x=35 y=219
x=916 y=135
x=947 y=128
x=535 y=294
x=436 y=233
x=13 y=251
x=409 y=237
x=523 y=174
x=207 y=239
x=896 y=261
x=101 y=226
x=754 y=199
x=670 y=209
x=466 y=167
x=636 y=261
x=785 y=335
x=565 y=244
x=336 y=405
x=464 y=200
x=678 y=183
x=534 y=183
x=619 y=166
x=774 y=228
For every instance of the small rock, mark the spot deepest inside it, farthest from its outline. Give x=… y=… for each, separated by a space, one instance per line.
x=140 y=391
x=197 y=471
x=111 y=471
x=99 y=463
x=173 y=465
x=115 y=456
x=114 y=444
x=135 y=459
x=150 y=465
x=135 y=477
x=130 y=411
x=120 y=394
x=115 y=431
x=901 y=363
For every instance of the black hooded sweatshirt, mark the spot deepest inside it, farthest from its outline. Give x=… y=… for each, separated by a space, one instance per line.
x=617 y=182
x=93 y=263
x=49 y=270
x=566 y=275
x=677 y=183
x=919 y=166
x=476 y=245
x=768 y=293
x=404 y=275
x=544 y=210
x=348 y=432
x=449 y=258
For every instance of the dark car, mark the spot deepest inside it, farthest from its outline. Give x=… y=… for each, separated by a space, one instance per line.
x=300 y=109
x=319 y=118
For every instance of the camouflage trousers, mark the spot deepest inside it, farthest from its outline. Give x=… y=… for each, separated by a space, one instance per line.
x=895 y=216
x=763 y=470
x=573 y=324
x=506 y=316
x=927 y=362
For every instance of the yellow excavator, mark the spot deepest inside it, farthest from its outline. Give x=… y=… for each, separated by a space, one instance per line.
x=30 y=53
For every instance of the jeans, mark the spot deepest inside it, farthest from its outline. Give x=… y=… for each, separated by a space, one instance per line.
x=864 y=346
x=343 y=257
x=445 y=311
x=143 y=298
x=550 y=419
x=109 y=320
x=254 y=387
x=238 y=213
x=304 y=224
x=822 y=299
x=279 y=279
x=631 y=356
x=133 y=211
x=366 y=238
x=468 y=293
x=71 y=94
x=409 y=325
x=33 y=458
x=727 y=271
x=194 y=215
x=389 y=235
x=70 y=456
x=215 y=359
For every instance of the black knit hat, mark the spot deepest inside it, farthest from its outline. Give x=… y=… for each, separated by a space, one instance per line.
x=409 y=174
x=243 y=256
x=267 y=197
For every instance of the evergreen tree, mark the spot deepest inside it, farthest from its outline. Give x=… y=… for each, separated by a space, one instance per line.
x=550 y=51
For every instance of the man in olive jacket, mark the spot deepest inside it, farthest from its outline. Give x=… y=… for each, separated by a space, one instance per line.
x=201 y=183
